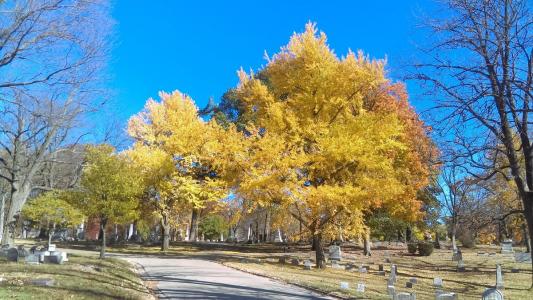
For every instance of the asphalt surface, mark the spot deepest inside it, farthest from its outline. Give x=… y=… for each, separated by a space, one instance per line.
x=179 y=278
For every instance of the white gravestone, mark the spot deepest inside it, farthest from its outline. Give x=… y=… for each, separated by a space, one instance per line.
x=405 y=296
x=499 y=277
x=392 y=275
x=492 y=294
x=446 y=296
x=391 y=290
x=361 y=287
x=507 y=247
x=437 y=282
x=51 y=247
x=344 y=285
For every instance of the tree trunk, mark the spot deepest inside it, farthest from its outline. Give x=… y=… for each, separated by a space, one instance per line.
x=193 y=234
x=528 y=214
x=367 y=251
x=319 y=251
x=2 y=215
x=103 y=223
x=19 y=195
x=454 y=232
x=165 y=241
x=408 y=234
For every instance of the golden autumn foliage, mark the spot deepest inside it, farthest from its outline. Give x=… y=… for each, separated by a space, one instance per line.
x=185 y=161
x=331 y=136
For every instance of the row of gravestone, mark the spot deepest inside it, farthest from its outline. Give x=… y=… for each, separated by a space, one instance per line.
x=34 y=255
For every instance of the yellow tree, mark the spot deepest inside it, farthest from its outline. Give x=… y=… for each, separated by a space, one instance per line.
x=181 y=156
x=109 y=190
x=332 y=137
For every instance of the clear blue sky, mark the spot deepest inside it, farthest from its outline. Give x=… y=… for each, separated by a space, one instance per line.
x=197 y=46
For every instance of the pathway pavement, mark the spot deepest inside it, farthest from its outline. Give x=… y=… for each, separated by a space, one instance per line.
x=180 y=278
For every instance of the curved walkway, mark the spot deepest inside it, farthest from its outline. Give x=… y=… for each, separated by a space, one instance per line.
x=180 y=278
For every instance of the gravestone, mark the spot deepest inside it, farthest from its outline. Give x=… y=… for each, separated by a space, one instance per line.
x=43 y=282
x=405 y=296
x=409 y=284
x=295 y=261
x=391 y=291
x=22 y=252
x=492 y=294
x=461 y=266
x=437 y=282
x=457 y=255
x=392 y=275
x=32 y=259
x=53 y=259
x=335 y=264
x=499 y=277
x=507 y=247
x=64 y=256
x=413 y=280
x=515 y=270
x=522 y=257
x=13 y=255
x=335 y=253
x=381 y=273
x=51 y=247
x=344 y=285
x=446 y=296
x=349 y=267
x=308 y=265
x=360 y=287
x=380 y=267
x=363 y=269
x=33 y=249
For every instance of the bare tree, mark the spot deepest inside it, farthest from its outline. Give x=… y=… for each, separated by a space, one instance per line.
x=453 y=191
x=480 y=67
x=52 y=54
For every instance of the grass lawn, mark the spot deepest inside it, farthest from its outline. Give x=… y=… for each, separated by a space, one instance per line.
x=480 y=271
x=82 y=277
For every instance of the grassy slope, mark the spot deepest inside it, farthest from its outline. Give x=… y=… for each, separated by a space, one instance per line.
x=480 y=270
x=82 y=277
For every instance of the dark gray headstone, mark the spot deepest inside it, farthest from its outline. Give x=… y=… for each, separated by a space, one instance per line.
x=295 y=261
x=380 y=267
x=13 y=254
x=53 y=259
x=409 y=284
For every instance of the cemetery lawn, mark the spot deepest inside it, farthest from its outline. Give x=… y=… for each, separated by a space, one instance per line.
x=82 y=277
x=262 y=260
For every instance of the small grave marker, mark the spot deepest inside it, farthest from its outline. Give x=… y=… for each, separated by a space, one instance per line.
x=461 y=266
x=308 y=265
x=507 y=247
x=492 y=294
x=344 y=285
x=405 y=296
x=51 y=247
x=437 y=282
x=413 y=280
x=409 y=284
x=446 y=296
x=43 y=282
x=295 y=261
x=380 y=267
x=522 y=257
x=360 y=287
x=32 y=259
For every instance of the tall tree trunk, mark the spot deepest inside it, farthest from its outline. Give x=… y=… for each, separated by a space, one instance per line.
x=266 y=231
x=165 y=241
x=367 y=250
x=319 y=250
x=454 y=232
x=19 y=195
x=103 y=223
x=408 y=234
x=528 y=214
x=193 y=234
x=2 y=215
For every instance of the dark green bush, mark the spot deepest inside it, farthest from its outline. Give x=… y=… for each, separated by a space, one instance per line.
x=425 y=248
x=411 y=248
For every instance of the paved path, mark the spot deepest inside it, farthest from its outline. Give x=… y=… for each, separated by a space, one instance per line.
x=201 y=279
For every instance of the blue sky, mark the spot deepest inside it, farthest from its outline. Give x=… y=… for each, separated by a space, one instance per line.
x=197 y=46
